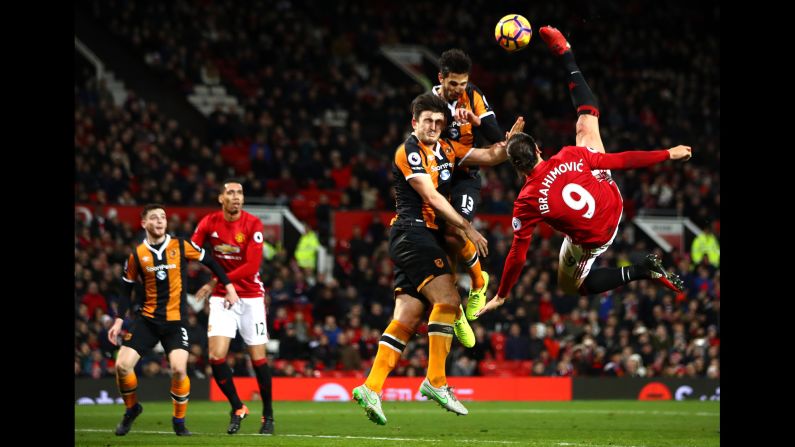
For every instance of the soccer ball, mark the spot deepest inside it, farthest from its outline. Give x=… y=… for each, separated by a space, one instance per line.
x=513 y=32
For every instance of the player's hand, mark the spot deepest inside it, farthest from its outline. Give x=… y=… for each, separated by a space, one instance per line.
x=517 y=127
x=231 y=297
x=113 y=332
x=480 y=242
x=463 y=116
x=491 y=305
x=204 y=291
x=680 y=152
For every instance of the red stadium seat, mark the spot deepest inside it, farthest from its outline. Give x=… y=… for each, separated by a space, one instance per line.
x=299 y=365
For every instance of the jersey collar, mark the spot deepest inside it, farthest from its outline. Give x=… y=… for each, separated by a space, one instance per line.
x=158 y=253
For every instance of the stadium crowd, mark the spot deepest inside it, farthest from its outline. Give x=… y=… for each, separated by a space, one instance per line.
x=656 y=89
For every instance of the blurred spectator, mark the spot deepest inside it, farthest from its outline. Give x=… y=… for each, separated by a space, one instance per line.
x=348 y=356
x=706 y=245
x=94 y=300
x=517 y=346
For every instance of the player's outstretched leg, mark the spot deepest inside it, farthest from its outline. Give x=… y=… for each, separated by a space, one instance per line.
x=582 y=97
x=604 y=279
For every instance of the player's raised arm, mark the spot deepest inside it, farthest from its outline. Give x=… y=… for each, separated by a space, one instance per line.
x=494 y=154
x=636 y=159
x=514 y=264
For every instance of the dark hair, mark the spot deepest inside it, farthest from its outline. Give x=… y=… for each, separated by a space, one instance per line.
x=230 y=180
x=454 y=61
x=150 y=207
x=430 y=102
x=522 y=152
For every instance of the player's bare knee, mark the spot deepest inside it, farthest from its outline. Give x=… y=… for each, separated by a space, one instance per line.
x=408 y=311
x=179 y=371
x=585 y=132
x=216 y=355
x=410 y=322
x=122 y=368
x=449 y=299
x=587 y=125
x=408 y=317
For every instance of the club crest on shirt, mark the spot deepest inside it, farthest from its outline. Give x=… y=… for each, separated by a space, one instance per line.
x=240 y=237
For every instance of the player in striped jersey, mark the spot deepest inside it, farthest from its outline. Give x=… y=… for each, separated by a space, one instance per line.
x=423 y=168
x=473 y=121
x=160 y=262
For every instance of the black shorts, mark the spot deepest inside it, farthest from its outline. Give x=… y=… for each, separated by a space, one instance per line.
x=465 y=197
x=418 y=256
x=145 y=333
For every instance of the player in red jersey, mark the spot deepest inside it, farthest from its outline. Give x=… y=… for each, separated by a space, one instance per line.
x=235 y=238
x=574 y=193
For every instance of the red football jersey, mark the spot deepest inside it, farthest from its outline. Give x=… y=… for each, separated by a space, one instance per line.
x=237 y=246
x=574 y=193
x=570 y=194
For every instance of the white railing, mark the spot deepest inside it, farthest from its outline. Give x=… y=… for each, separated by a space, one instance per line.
x=408 y=58
x=88 y=54
x=658 y=228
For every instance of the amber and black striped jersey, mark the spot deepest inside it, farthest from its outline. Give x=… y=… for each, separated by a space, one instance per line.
x=413 y=158
x=465 y=133
x=162 y=270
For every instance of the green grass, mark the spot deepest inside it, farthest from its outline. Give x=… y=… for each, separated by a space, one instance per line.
x=558 y=424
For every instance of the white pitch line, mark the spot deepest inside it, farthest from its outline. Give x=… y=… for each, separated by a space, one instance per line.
x=372 y=438
x=576 y=444
x=495 y=410
x=291 y=435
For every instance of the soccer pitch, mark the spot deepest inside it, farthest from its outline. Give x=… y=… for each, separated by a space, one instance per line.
x=554 y=424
